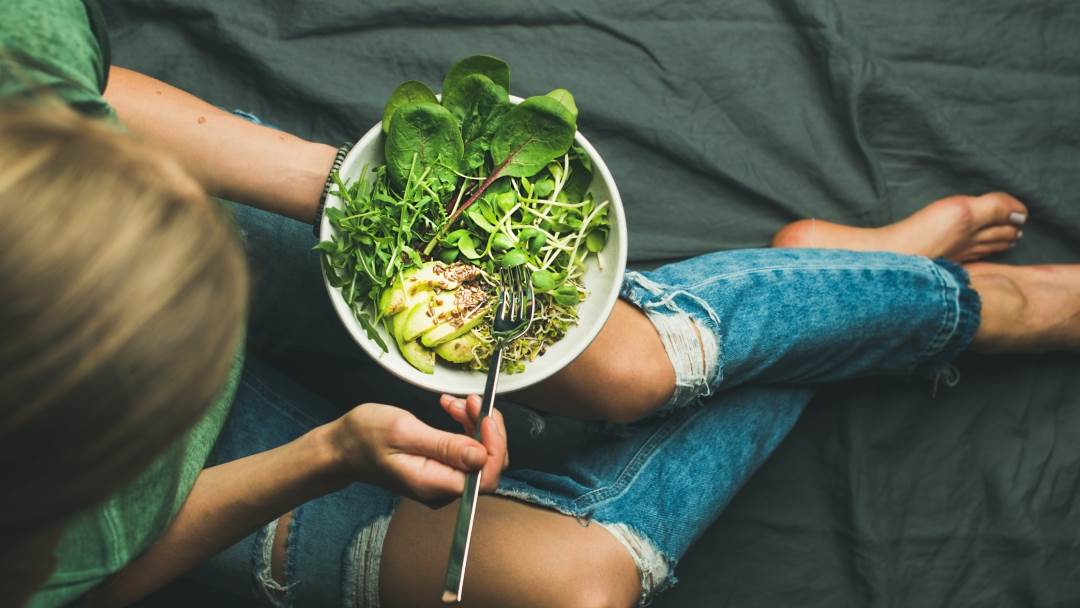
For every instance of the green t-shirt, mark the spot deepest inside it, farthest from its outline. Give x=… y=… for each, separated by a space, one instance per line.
x=61 y=49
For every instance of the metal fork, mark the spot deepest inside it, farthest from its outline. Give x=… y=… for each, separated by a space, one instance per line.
x=514 y=315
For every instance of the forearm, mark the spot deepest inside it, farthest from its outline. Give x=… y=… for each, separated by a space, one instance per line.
x=228 y=502
x=233 y=158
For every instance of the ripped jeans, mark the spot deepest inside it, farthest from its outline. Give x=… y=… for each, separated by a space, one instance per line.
x=748 y=332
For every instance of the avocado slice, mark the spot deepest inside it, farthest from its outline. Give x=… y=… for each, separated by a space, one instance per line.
x=428 y=314
x=451 y=328
x=418 y=356
x=459 y=350
x=397 y=323
x=429 y=276
x=395 y=299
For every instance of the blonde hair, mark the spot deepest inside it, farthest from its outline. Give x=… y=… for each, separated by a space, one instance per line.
x=122 y=301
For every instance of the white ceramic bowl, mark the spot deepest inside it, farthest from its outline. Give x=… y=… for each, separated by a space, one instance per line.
x=602 y=285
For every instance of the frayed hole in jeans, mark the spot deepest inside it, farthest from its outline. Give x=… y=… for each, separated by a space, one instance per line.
x=651 y=565
x=275 y=592
x=693 y=351
x=362 y=562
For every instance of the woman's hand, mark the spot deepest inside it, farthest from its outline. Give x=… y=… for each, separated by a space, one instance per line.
x=390 y=447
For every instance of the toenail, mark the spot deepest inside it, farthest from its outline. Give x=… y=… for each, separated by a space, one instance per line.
x=1017 y=218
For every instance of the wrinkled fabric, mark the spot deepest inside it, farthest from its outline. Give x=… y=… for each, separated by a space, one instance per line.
x=721 y=121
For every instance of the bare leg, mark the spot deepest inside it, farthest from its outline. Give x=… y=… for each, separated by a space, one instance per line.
x=1027 y=309
x=521 y=556
x=625 y=374
x=960 y=228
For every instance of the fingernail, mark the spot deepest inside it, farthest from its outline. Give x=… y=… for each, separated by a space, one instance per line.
x=1017 y=218
x=1019 y=234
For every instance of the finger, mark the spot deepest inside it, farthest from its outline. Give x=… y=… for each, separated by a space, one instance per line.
x=500 y=425
x=452 y=449
x=473 y=404
x=427 y=480
x=494 y=439
x=456 y=408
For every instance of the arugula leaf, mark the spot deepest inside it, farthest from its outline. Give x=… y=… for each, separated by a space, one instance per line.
x=410 y=91
x=424 y=138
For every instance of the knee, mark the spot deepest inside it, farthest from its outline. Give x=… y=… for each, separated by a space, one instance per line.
x=794 y=235
x=595 y=596
x=632 y=389
x=599 y=579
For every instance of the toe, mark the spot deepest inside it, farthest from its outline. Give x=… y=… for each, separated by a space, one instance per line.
x=1004 y=233
x=998 y=208
x=981 y=251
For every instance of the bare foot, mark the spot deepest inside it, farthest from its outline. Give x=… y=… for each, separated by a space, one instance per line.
x=960 y=228
x=1027 y=308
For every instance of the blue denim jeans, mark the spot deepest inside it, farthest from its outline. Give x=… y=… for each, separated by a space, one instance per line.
x=748 y=332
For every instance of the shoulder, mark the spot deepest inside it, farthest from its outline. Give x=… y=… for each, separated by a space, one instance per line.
x=57 y=47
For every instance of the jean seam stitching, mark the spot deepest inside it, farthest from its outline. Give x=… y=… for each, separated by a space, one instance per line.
x=766 y=269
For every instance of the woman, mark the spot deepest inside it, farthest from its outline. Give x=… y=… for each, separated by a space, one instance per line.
x=122 y=335
x=361 y=544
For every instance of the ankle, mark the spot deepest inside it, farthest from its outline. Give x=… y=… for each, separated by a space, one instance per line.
x=1003 y=323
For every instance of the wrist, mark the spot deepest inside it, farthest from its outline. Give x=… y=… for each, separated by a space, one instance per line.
x=337 y=158
x=330 y=455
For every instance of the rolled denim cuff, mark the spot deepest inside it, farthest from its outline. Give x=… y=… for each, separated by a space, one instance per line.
x=968 y=314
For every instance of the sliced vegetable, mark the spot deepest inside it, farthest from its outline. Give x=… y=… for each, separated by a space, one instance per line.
x=459 y=350
x=418 y=356
x=452 y=328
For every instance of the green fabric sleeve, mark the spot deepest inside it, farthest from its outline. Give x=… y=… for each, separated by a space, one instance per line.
x=54 y=48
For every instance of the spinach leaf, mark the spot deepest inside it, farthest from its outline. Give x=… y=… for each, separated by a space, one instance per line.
x=494 y=68
x=478 y=104
x=410 y=91
x=532 y=134
x=566 y=99
x=424 y=138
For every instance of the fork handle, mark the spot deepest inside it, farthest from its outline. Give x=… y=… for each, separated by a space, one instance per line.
x=459 y=548
x=488 y=405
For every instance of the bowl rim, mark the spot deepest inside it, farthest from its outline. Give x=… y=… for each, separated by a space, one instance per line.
x=508 y=382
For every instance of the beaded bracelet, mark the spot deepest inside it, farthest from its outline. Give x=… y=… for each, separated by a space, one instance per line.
x=339 y=158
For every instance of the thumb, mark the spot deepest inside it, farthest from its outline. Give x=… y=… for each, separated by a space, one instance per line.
x=458 y=451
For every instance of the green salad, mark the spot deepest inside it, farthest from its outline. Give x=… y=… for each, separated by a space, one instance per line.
x=471 y=184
